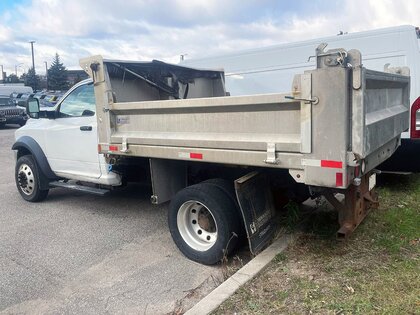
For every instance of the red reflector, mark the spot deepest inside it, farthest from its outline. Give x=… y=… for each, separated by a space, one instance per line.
x=113 y=148
x=414 y=132
x=332 y=164
x=338 y=179
x=198 y=156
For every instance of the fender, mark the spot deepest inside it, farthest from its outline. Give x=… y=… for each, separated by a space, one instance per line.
x=29 y=144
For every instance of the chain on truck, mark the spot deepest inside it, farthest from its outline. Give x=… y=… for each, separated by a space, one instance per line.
x=220 y=160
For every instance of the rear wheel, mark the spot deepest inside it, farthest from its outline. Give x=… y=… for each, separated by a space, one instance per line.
x=203 y=223
x=27 y=179
x=229 y=188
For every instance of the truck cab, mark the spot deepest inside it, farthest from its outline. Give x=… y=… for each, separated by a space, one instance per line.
x=64 y=142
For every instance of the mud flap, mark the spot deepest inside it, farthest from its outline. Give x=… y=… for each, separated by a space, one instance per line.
x=257 y=207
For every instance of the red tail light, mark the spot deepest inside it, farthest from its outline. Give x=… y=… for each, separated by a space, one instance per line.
x=414 y=133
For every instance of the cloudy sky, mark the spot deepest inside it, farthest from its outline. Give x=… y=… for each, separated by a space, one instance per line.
x=158 y=29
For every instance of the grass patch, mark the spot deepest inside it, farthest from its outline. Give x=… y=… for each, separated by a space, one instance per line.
x=292 y=215
x=376 y=271
x=281 y=257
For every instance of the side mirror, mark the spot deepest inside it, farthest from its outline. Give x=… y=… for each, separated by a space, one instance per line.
x=21 y=103
x=32 y=108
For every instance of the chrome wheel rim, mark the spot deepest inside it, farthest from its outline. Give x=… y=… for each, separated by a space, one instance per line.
x=26 y=179
x=197 y=225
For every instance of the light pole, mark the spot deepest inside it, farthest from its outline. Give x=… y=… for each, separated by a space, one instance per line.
x=2 y=74
x=16 y=66
x=32 y=49
x=46 y=73
x=33 y=63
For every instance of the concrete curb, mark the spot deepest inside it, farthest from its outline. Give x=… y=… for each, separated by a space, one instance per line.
x=243 y=275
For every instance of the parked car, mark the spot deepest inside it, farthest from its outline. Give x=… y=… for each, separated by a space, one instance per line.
x=49 y=101
x=10 y=113
x=21 y=99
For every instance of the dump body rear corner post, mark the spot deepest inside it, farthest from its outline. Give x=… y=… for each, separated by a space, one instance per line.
x=358 y=201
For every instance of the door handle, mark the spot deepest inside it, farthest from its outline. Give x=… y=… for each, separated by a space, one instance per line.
x=86 y=128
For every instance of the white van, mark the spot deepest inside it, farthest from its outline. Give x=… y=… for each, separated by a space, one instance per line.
x=7 y=89
x=271 y=69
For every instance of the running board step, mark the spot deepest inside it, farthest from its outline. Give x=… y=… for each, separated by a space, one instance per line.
x=86 y=189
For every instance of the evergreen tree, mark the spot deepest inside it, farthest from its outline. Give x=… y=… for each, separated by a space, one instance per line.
x=31 y=79
x=57 y=75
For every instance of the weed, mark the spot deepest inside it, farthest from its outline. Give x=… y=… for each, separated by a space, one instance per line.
x=293 y=215
x=282 y=295
x=252 y=305
x=280 y=257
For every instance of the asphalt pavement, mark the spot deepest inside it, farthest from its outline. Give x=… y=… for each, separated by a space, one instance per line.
x=76 y=253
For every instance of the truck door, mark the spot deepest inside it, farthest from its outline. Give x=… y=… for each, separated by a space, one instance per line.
x=71 y=138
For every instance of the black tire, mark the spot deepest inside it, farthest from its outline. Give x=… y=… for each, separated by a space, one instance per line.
x=219 y=213
x=28 y=178
x=226 y=186
x=229 y=188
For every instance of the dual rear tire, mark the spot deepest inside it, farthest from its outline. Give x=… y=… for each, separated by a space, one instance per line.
x=204 y=223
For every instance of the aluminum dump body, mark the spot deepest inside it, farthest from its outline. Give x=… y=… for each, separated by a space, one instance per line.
x=337 y=122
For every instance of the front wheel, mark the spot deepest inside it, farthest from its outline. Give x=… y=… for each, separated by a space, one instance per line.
x=27 y=179
x=203 y=223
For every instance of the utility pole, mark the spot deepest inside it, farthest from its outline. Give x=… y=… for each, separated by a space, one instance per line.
x=2 y=74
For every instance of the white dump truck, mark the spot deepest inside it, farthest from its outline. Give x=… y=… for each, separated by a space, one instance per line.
x=218 y=158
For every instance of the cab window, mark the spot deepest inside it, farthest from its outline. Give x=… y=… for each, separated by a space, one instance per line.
x=79 y=103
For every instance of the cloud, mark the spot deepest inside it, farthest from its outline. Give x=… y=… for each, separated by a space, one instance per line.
x=146 y=29
x=5 y=34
